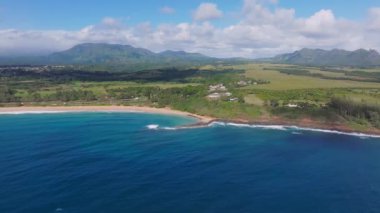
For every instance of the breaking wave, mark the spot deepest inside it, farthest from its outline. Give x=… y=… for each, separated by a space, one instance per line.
x=30 y=112
x=67 y=111
x=293 y=129
x=275 y=127
x=153 y=126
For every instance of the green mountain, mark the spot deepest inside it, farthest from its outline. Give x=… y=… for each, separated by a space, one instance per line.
x=103 y=54
x=114 y=57
x=335 y=57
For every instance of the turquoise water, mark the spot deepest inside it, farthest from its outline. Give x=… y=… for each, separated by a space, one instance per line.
x=111 y=162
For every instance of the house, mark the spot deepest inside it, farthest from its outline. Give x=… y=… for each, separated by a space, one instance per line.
x=214 y=96
x=292 y=105
x=242 y=83
x=226 y=94
x=217 y=92
x=217 y=87
x=217 y=95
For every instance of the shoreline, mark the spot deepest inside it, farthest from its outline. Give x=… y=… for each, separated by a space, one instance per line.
x=303 y=124
x=292 y=125
x=131 y=109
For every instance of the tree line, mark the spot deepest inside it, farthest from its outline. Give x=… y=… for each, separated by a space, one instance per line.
x=355 y=110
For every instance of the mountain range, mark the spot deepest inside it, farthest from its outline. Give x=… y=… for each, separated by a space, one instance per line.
x=335 y=57
x=126 y=57
x=115 y=56
x=120 y=54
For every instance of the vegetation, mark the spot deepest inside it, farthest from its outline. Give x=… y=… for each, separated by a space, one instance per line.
x=344 y=95
x=359 y=112
x=290 y=81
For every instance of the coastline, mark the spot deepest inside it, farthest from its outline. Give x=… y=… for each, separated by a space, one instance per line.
x=140 y=109
x=302 y=124
x=308 y=125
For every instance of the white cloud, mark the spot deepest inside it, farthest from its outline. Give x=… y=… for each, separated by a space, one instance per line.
x=260 y=32
x=167 y=10
x=374 y=18
x=207 y=12
x=110 y=21
x=324 y=19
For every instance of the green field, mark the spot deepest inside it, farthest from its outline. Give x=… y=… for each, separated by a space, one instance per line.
x=280 y=81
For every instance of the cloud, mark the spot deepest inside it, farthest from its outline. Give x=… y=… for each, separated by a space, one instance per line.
x=374 y=18
x=261 y=31
x=110 y=21
x=207 y=12
x=257 y=14
x=167 y=10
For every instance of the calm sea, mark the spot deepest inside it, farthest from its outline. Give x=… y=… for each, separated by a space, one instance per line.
x=111 y=162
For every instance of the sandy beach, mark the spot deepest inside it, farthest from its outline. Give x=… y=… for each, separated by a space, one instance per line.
x=202 y=120
x=166 y=111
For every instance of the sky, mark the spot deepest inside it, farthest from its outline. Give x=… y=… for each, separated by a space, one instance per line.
x=221 y=28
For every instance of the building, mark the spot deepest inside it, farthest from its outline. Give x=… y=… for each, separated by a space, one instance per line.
x=214 y=96
x=292 y=105
x=242 y=83
x=217 y=87
x=218 y=95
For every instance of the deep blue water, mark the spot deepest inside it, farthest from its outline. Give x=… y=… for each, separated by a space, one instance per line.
x=110 y=162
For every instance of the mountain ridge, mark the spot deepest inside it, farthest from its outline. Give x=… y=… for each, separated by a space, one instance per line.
x=334 y=57
x=129 y=57
x=102 y=53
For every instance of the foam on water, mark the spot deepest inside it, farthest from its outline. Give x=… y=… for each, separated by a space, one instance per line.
x=153 y=126
x=296 y=133
x=30 y=112
x=63 y=111
x=356 y=134
x=294 y=128
x=170 y=128
x=157 y=127
x=276 y=127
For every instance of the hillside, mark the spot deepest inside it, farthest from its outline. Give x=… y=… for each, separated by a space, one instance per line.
x=101 y=54
x=115 y=57
x=91 y=53
x=335 y=57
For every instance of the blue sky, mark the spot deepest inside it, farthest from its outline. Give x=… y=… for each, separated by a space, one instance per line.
x=75 y=14
x=221 y=28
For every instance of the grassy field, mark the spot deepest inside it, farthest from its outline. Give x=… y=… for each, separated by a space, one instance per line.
x=281 y=81
x=100 y=88
x=253 y=100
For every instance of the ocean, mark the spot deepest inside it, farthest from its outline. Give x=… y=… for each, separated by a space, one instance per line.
x=134 y=162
